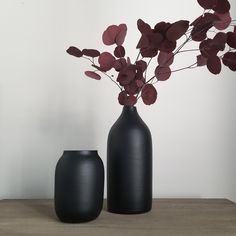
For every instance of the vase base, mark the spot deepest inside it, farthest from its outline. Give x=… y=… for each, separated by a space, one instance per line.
x=129 y=212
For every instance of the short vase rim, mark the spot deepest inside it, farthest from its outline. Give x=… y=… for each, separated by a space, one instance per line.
x=84 y=151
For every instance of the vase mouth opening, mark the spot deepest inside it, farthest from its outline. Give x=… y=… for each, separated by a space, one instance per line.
x=84 y=152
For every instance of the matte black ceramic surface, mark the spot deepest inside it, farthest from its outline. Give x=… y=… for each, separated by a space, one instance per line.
x=79 y=186
x=129 y=165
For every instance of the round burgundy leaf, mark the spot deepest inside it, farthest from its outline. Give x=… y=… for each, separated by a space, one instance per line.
x=106 y=61
x=201 y=60
x=120 y=37
x=155 y=40
x=207 y=48
x=231 y=39
x=126 y=100
x=165 y=59
x=198 y=35
x=143 y=42
x=222 y=6
x=214 y=65
x=143 y=27
x=219 y=41
x=167 y=46
x=92 y=75
x=119 y=51
x=126 y=76
x=207 y=4
x=91 y=52
x=148 y=52
x=177 y=30
x=74 y=51
x=224 y=22
x=120 y=64
x=142 y=64
x=162 y=27
x=109 y=35
x=131 y=100
x=229 y=60
x=139 y=83
x=131 y=88
x=122 y=98
x=162 y=73
x=149 y=94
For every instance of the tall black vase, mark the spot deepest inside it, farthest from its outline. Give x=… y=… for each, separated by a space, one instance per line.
x=129 y=165
x=79 y=184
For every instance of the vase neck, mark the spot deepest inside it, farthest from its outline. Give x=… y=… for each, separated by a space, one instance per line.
x=129 y=112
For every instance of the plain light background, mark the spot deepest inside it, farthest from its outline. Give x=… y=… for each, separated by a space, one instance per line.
x=48 y=105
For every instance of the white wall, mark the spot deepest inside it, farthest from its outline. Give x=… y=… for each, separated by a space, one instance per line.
x=47 y=105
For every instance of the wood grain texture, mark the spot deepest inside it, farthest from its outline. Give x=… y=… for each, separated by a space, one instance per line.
x=168 y=217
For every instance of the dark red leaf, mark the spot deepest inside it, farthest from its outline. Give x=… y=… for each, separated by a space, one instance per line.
x=109 y=35
x=119 y=51
x=219 y=41
x=198 y=35
x=122 y=97
x=222 y=6
x=131 y=100
x=231 y=39
x=155 y=40
x=126 y=100
x=229 y=60
x=207 y=4
x=205 y=21
x=162 y=73
x=165 y=59
x=120 y=64
x=162 y=27
x=177 y=30
x=142 y=64
x=126 y=76
x=143 y=42
x=148 y=52
x=214 y=65
x=131 y=88
x=207 y=48
x=224 y=22
x=74 y=51
x=201 y=60
x=149 y=94
x=91 y=52
x=106 y=61
x=92 y=75
x=201 y=25
x=143 y=27
x=167 y=46
x=120 y=37
x=139 y=83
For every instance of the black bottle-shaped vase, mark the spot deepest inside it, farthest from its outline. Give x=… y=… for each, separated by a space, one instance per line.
x=129 y=165
x=79 y=186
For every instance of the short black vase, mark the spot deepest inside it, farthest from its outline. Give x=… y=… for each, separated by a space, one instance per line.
x=79 y=186
x=129 y=165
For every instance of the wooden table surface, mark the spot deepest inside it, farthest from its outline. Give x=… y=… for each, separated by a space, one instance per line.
x=168 y=217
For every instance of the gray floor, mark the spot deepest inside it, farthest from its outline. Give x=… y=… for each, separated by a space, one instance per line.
x=168 y=217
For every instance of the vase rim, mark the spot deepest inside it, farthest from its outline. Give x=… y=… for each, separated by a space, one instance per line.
x=84 y=152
